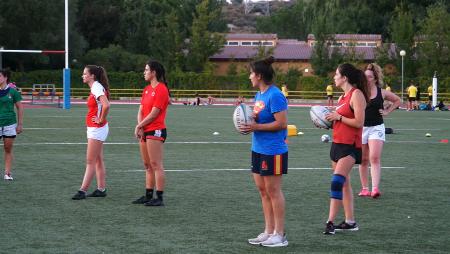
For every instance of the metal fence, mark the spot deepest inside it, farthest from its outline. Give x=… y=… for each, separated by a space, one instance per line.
x=218 y=94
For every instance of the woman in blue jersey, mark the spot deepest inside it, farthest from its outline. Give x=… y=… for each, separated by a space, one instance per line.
x=269 y=151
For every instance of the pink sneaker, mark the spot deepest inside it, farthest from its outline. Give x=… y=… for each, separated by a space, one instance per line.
x=375 y=193
x=364 y=193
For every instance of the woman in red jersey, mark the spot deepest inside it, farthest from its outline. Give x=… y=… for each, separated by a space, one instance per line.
x=348 y=121
x=151 y=130
x=97 y=130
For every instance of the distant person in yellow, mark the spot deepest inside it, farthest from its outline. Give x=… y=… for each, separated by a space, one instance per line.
x=388 y=87
x=285 y=91
x=330 y=95
x=412 y=94
x=430 y=94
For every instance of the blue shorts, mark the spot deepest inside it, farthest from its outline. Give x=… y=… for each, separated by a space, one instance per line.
x=269 y=165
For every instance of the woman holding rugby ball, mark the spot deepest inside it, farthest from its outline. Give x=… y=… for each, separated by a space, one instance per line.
x=10 y=122
x=373 y=136
x=348 y=121
x=152 y=133
x=269 y=151
x=97 y=130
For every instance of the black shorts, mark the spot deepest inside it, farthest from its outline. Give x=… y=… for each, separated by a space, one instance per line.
x=430 y=97
x=339 y=151
x=411 y=98
x=269 y=165
x=160 y=135
x=330 y=97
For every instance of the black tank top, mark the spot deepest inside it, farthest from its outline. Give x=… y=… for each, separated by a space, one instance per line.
x=373 y=116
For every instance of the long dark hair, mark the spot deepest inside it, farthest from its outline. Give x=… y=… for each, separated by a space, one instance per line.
x=99 y=75
x=264 y=68
x=158 y=68
x=356 y=78
x=6 y=73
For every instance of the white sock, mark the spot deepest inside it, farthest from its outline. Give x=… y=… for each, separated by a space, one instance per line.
x=351 y=222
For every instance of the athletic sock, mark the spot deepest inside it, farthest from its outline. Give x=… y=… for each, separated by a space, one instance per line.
x=365 y=188
x=350 y=222
x=159 y=194
x=101 y=189
x=83 y=191
x=149 y=193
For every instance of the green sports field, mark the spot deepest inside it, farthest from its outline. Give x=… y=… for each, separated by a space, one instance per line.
x=212 y=205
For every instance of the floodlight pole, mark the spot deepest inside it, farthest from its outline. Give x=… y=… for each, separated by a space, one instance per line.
x=66 y=71
x=402 y=54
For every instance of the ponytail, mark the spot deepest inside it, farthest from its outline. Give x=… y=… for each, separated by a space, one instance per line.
x=158 y=68
x=356 y=78
x=100 y=75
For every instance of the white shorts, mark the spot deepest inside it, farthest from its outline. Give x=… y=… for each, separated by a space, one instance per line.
x=373 y=132
x=8 y=131
x=98 y=133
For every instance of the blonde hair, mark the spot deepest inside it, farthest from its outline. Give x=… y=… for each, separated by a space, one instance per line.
x=377 y=73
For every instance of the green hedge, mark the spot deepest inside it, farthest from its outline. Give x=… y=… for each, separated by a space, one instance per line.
x=206 y=81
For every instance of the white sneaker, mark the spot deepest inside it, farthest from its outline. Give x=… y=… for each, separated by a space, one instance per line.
x=8 y=177
x=259 y=239
x=275 y=240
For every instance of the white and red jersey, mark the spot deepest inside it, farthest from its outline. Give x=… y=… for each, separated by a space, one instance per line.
x=94 y=105
x=155 y=97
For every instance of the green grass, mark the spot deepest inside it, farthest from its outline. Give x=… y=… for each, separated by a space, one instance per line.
x=216 y=211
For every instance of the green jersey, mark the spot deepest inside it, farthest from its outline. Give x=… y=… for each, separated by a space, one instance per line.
x=8 y=99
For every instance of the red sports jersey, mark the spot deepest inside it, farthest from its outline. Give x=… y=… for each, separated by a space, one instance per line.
x=343 y=133
x=94 y=105
x=155 y=97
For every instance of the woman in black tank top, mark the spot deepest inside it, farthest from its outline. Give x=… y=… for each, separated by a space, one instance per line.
x=373 y=131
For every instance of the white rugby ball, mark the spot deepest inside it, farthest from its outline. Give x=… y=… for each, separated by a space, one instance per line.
x=325 y=138
x=318 y=114
x=243 y=114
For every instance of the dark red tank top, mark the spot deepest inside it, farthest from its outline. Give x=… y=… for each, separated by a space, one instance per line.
x=343 y=133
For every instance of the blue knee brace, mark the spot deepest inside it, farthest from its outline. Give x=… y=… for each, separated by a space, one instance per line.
x=337 y=183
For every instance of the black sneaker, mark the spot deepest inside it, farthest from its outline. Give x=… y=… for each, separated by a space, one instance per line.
x=344 y=226
x=329 y=228
x=79 y=195
x=141 y=200
x=154 y=202
x=97 y=194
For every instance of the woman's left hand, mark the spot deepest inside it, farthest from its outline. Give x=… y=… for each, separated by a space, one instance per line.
x=249 y=127
x=138 y=132
x=383 y=112
x=96 y=120
x=333 y=116
x=19 y=128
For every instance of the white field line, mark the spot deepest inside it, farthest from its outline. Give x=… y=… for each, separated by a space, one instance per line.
x=198 y=142
x=236 y=169
x=134 y=143
x=131 y=127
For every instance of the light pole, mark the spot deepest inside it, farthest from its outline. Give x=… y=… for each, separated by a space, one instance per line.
x=402 y=54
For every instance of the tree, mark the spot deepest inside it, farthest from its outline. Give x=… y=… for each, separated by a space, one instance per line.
x=401 y=29
x=99 y=21
x=37 y=25
x=434 y=51
x=203 y=43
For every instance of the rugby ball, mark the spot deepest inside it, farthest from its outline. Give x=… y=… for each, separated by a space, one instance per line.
x=317 y=114
x=325 y=138
x=243 y=114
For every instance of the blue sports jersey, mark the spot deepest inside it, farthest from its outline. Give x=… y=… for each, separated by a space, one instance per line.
x=267 y=104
